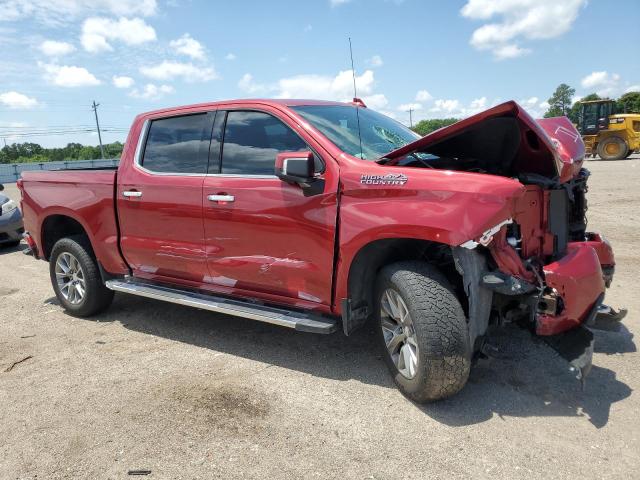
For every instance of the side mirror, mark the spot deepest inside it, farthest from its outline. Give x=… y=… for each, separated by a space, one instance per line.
x=296 y=167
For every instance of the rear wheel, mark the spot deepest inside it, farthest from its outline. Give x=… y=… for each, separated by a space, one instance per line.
x=422 y=331
x=76 y=278
x=613 y=148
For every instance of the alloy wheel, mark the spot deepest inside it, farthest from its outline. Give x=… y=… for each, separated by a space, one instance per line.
x=399 y=333
x=70 y=278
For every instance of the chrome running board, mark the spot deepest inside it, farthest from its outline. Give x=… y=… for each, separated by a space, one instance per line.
x=303 y=322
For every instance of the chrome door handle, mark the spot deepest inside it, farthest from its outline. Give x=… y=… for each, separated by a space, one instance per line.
x=132 y=193
x=221 y=198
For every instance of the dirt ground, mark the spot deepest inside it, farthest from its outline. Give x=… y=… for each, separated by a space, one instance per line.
x=189 y=394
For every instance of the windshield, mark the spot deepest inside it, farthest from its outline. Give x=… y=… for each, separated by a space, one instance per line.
x=339 y=123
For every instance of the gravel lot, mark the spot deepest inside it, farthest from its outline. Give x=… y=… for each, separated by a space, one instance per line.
x=189 y=394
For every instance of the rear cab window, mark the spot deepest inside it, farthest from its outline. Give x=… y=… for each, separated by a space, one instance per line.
x=178 y=144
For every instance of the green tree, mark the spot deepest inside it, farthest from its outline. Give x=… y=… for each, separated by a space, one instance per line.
x=560 y=101
x=629 y=103
x=424 y=127
x=112 y=150
x=32 y=152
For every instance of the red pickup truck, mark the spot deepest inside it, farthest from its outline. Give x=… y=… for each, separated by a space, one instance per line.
x=312 y=215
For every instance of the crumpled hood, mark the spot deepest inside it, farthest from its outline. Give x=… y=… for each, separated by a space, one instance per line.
x=551 y=147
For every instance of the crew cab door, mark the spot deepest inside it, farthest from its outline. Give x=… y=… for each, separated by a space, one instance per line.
x=159 y=199
x=264 y=235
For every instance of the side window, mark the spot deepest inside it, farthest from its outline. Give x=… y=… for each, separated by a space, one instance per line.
x=177 y=145
x=253 y=139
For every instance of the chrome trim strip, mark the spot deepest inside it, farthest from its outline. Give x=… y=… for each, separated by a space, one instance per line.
x=141 y=139
x=137 y=163
x=238 y=175
x=262 y=313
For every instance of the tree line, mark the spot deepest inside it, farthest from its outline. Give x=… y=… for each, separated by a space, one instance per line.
x=33 y=153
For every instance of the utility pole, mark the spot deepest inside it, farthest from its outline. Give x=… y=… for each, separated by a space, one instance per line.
x=411 y=117
x=94 y=107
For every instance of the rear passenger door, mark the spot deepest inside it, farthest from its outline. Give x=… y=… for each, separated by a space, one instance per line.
x=264 y=235
x=159 y=199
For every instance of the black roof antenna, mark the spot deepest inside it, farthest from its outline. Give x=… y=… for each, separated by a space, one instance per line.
x=356 y=100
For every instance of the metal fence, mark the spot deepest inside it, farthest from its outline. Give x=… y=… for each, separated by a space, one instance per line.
x=10 y=172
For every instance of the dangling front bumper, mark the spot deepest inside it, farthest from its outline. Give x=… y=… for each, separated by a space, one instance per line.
x=578 y=286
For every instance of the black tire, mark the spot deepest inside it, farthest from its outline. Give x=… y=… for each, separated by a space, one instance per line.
x=618 y=144
x=440 y=326
x=97 y=297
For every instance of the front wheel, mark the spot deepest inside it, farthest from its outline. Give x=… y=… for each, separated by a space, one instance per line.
x=422 y=331
x=76 y=278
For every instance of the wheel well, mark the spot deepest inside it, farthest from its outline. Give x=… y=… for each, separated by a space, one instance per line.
x=376 y=255
x=56 y=227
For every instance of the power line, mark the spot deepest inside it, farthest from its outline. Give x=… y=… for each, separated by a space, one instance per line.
x=46 y=134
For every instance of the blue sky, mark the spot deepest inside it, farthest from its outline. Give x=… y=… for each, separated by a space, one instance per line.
x=440 y=58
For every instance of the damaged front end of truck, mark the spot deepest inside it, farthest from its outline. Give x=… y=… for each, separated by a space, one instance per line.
x=539 y=265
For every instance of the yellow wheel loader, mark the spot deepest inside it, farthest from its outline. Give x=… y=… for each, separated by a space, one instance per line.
x=611 y=135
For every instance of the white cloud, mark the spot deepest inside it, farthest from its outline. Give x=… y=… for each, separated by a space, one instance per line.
x=632 y=88
x=122 y=81
x=375 y=101
x=230 y=56
x=68 y=76
x=405 y=107
x=529 y=102
x=52 y=48
x=168 y=70
x=337 y=3
x=533 y=105
x=375 y=61
x=506 y=52
x=151 y=91
x=66 y=11
x=478 y=103
x=520 y=20
x=17 y=100
x=97 y=32
x=246 y=84
x=447 y=106
x=186 y=45
x=320 y=87
x=604 y=83
x=325 y=87
x=423 y=96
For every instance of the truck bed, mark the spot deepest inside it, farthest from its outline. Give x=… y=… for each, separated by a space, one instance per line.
x=85 y=196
